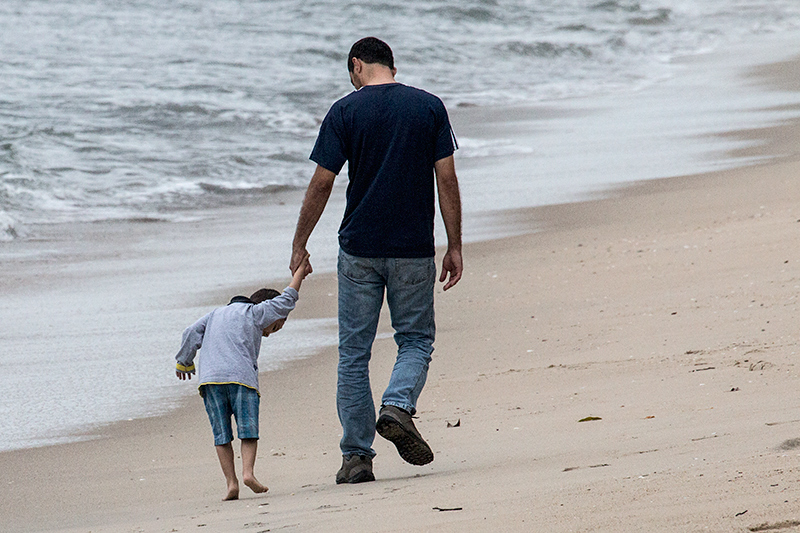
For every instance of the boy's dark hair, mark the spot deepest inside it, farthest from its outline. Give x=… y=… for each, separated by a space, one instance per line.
x=262 y=295
x=371 y=50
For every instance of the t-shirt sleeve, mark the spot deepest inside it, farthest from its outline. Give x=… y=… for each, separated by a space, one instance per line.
x=192 y=341
x=446 y=142
x=329 y=151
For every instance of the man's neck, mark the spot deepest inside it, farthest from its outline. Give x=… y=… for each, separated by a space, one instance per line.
x=381 y=80
x=377 y=74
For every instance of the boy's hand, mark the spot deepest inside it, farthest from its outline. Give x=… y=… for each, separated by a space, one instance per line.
x=183 y=375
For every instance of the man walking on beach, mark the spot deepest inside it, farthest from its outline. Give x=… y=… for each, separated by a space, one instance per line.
x=394 y=139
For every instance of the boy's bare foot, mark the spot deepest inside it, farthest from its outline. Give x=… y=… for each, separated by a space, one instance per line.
x=233 y=493
x=253 y=484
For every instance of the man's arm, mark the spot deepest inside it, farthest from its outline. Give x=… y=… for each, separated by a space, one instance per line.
x=319 y=190
x=450 y=206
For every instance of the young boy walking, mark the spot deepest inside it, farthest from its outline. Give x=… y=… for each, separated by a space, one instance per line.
x=230 y=338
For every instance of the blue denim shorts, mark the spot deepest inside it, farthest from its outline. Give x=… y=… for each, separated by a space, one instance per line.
x=231 y=399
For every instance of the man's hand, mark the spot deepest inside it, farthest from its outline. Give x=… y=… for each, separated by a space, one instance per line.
x=300 y=258
x=300 y=272
x=305 y=267
x=183 y=375
x=453 y=264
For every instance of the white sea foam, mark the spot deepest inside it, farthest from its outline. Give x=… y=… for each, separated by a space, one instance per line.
x=491 y=147
x=8 y=227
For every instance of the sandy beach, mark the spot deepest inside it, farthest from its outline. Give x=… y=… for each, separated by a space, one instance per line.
x=629 y=367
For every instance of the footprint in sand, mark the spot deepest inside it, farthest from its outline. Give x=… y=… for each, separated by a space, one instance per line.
x=786 y=524
x=791 y=444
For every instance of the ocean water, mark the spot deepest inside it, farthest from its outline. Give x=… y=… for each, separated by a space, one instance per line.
x=141 y=109
x=144 y=110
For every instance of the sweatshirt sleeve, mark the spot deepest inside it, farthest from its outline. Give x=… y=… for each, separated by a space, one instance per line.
x=277 y=308
x=192 y=341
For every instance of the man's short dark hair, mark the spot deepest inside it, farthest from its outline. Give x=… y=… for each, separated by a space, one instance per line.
x=262 y=295
x=371 y=50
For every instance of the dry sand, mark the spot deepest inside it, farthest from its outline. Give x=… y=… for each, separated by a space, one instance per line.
x=666 y=313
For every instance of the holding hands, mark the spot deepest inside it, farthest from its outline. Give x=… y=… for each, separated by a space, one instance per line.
x=300 y=257
x=300 y=267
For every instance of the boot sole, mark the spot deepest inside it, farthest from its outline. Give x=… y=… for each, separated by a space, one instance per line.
x=361 y=477
x=411 y=448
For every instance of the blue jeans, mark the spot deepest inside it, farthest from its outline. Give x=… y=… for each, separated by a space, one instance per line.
x=408 y=283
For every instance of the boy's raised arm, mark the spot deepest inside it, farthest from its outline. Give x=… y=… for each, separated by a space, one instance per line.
x=279 y=307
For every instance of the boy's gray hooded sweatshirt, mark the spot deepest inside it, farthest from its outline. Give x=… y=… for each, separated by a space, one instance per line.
x=230 y=338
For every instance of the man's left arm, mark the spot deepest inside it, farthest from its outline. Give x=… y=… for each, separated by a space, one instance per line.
x=450 y=206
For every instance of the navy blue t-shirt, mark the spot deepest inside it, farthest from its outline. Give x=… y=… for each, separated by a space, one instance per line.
x=390 y=135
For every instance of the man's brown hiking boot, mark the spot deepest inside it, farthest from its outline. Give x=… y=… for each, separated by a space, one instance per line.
x=355 y=469
x=396 y=426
